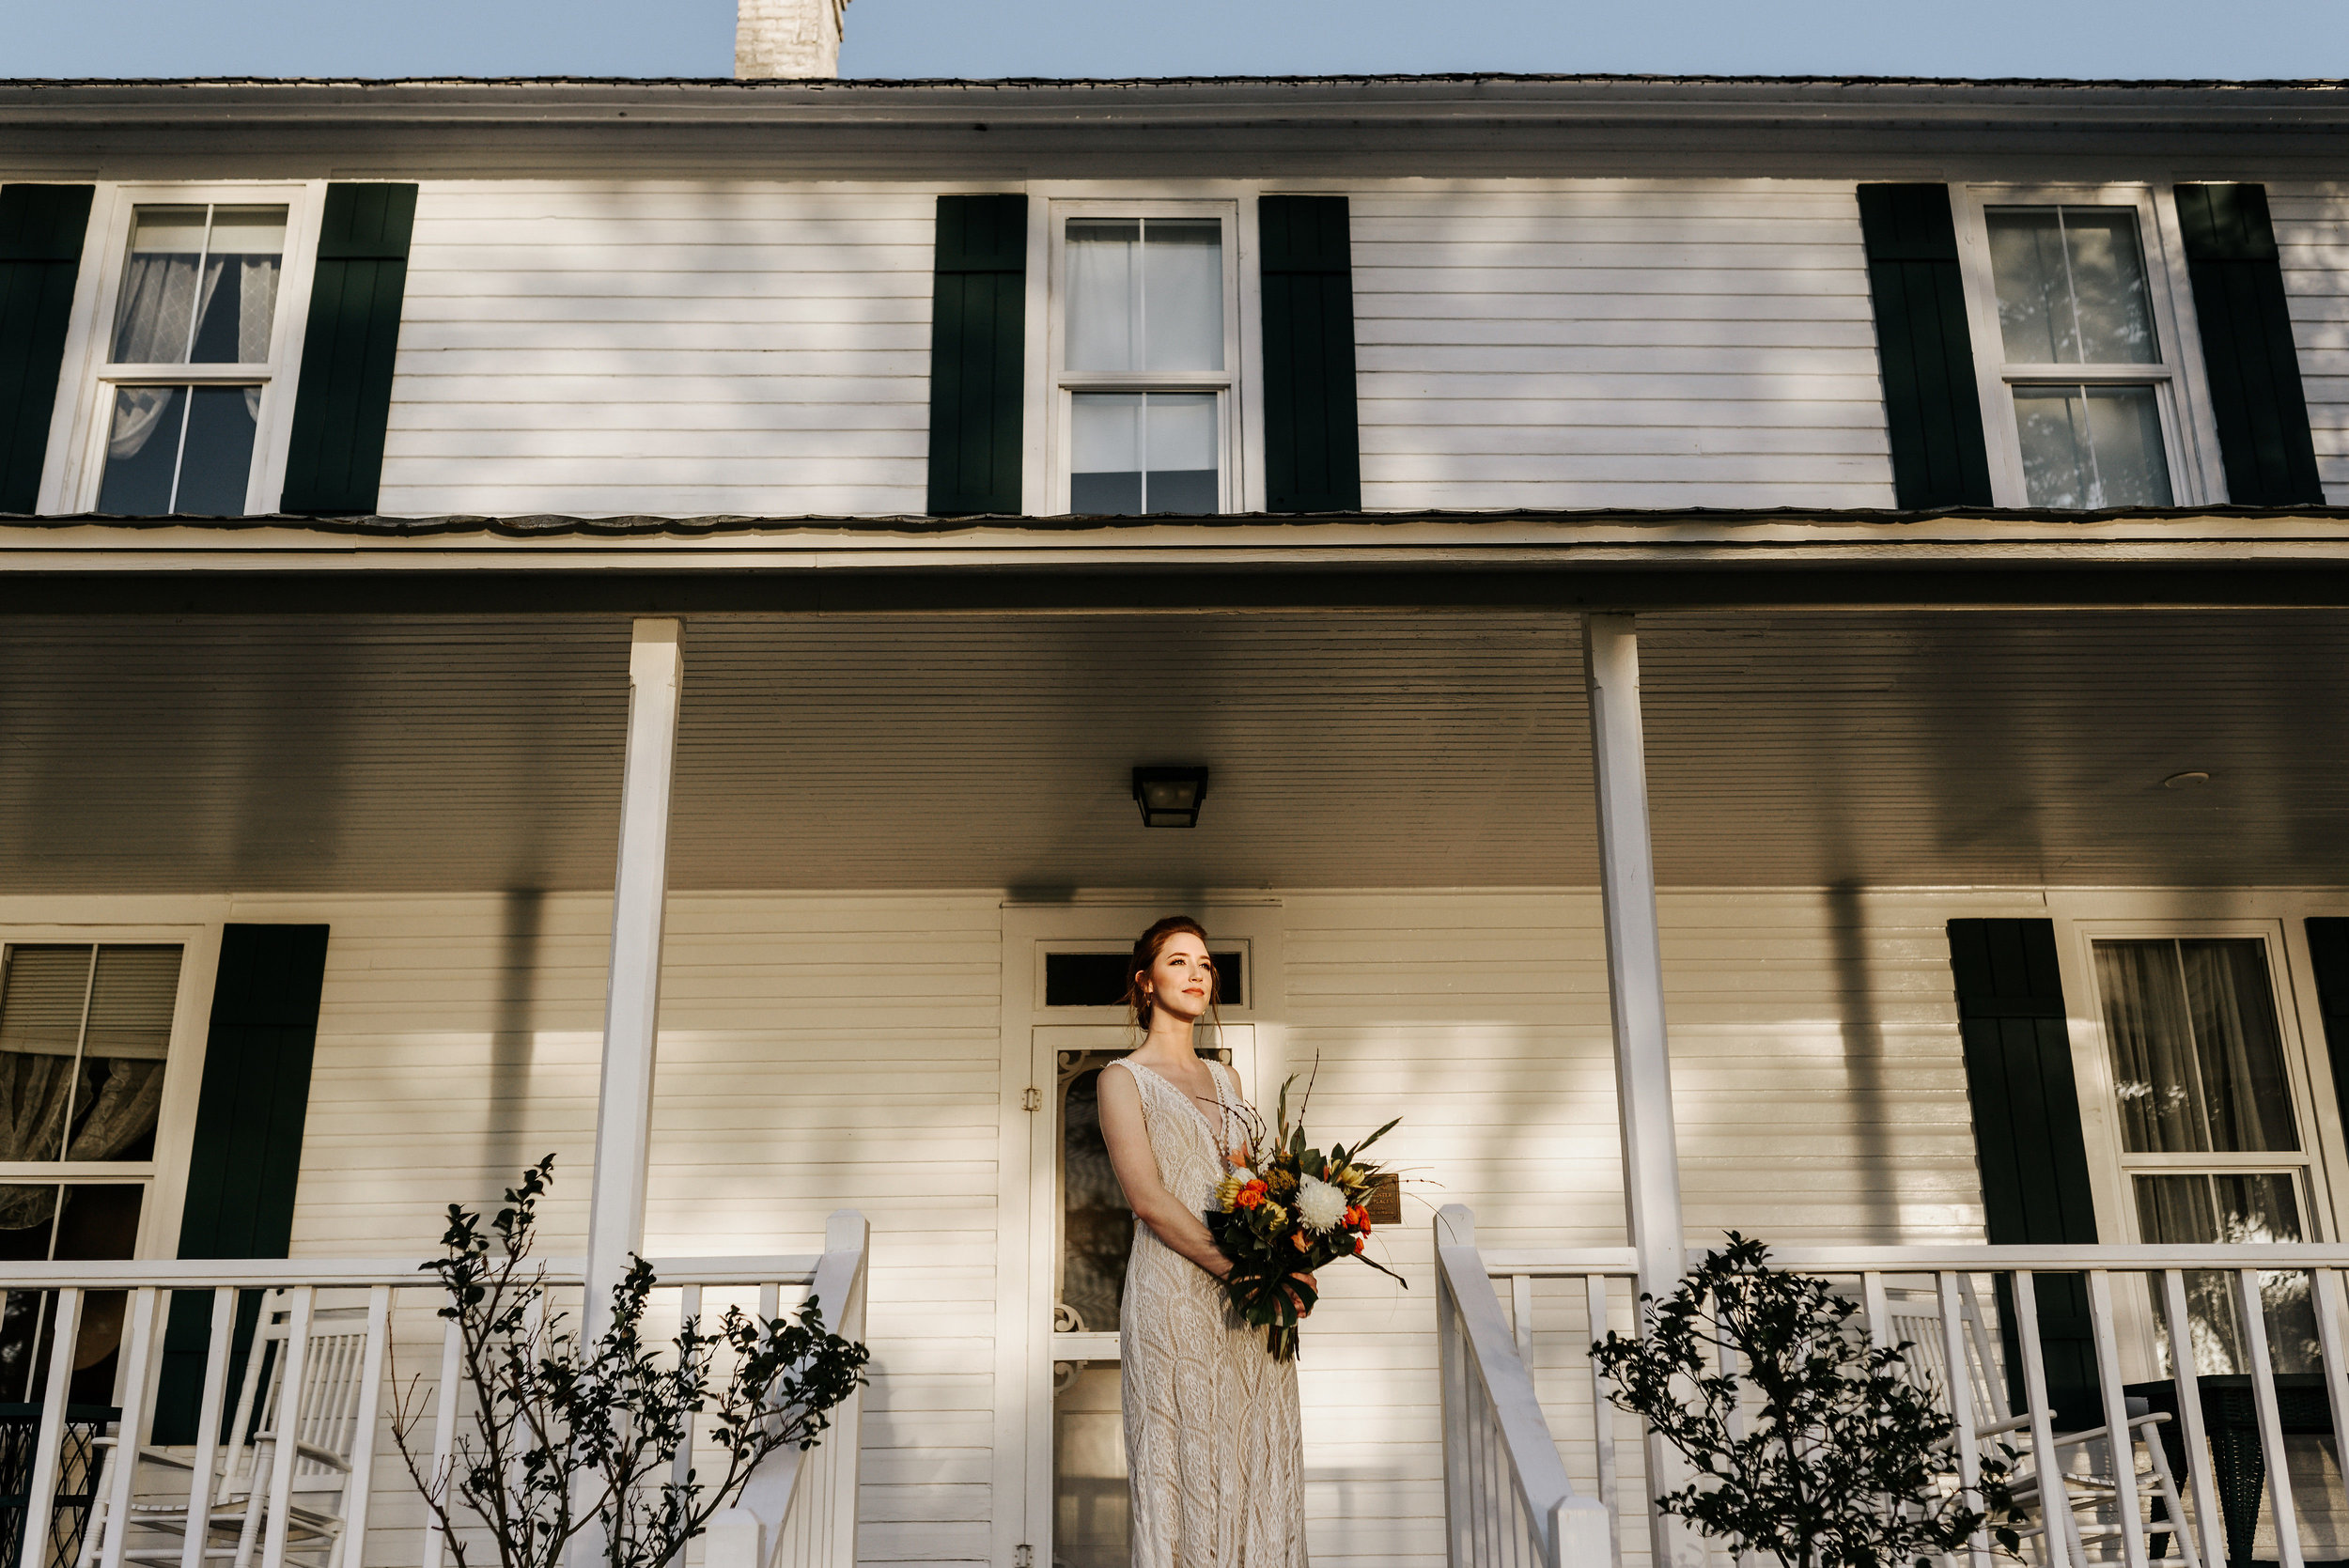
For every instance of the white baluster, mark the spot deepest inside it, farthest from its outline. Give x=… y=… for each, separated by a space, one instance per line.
x=2055 y=1499
x=2270 y=1420
x=2202 y=1483
x=1961 y=1405
x=139 y=1376
x=367 y=1411
x=204 y=1486
x=445 y=1441
x=40 y=1497
x=1603 y=1419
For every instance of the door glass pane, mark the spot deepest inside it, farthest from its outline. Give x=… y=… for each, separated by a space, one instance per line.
x=1146 y=294
x=143 y=450
x=41 y=1002
x=2197 y=1056
x=2206 y=1209
x=1091 y=1503
x=2070 y=284
x=2092 y=446
x=240 y=293
x=1097 y=1227
x=216 y=460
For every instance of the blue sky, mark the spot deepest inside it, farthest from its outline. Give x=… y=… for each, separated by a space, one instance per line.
x=1131 y=38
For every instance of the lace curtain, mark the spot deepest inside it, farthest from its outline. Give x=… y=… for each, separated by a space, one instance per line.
x=165 y=308
x=2196 y=1053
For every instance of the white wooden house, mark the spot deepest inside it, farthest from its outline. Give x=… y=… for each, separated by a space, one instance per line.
x=1769 y=656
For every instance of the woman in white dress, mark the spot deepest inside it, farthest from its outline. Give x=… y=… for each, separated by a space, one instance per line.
x=1212 y=1442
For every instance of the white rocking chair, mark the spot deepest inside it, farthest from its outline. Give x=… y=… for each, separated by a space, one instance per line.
x=323 y=1428
x=2091 y=1518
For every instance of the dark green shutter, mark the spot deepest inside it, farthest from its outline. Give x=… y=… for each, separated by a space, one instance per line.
x=978 y=354
x=1932 y=402
x=2248 y=351
x=2329 y=957
x=41 y=230
x=2027 y=1140
x=1311 y=437
x=343 y=401
x=247 y=1151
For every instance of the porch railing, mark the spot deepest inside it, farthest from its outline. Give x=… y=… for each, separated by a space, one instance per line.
x=2252 y=1332
x=276 y=1407
x=1507 y=1500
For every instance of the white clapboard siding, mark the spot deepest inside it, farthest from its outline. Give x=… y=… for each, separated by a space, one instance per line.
x=2312 y=237
x=1617 y=344
x=822 y=1052
x=609 y=349
x=815 y=1054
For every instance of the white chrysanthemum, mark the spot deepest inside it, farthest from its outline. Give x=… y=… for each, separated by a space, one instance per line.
x=1320 y=1206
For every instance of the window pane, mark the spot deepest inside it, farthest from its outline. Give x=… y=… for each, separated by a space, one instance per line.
x=121 y=1086
x=217 y=460
x=239 y=293
x=2092 y=446
x=1105 y=442
x=1179 y=446
x=1092 y=1498
x=2034 y=300
x=2226 y=1208
x=2070 y=286
x=2116 y=327
x=2197 y=1059
x=157 y=303
x=1104 y=294
x=142 y=450
x=40 y=1029
x=1182 y=290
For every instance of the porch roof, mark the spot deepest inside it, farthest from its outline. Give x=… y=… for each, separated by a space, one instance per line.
x=240 y=748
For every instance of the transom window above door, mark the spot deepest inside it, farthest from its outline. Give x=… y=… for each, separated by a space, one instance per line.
x=1145 y=358
x=2083 y=367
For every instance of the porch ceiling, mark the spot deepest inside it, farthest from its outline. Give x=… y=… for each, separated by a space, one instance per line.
x=350 y=753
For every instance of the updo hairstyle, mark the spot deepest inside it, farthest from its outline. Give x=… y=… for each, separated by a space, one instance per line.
x=1146 y=950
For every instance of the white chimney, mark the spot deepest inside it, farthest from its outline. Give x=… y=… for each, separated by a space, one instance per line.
x=788 y=38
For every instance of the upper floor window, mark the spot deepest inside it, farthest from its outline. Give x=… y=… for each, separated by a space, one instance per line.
x=187 y=370
x=2088 y=396
x=1144 y=350
x=199 y=291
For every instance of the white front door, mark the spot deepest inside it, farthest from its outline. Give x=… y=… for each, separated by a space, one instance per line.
x=1064 y=1228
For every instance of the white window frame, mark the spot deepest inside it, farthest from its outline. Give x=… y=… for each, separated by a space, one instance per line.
x=1062 y=384
x=2190 y=434
x=76 y=462
x=165 y=1176
x=2092 y=1064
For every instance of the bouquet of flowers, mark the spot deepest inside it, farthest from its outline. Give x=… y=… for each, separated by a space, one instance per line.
x=1293 y=1210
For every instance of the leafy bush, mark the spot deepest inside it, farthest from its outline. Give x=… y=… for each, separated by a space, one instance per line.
x=561 y=1441
x=1844 y=1463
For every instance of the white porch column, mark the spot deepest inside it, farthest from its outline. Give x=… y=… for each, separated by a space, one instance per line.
x=1635 y=962
x=616 y=1224
x=1635 y=996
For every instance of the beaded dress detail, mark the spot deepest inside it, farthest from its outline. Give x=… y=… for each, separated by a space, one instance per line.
x=1212 y=1439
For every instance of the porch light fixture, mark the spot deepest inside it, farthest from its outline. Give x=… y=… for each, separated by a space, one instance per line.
x=1170 y=796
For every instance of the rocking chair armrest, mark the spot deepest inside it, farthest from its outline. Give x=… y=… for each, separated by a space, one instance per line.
x=327 y=1457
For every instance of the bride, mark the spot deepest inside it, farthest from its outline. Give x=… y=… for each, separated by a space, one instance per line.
x=1211 y=1432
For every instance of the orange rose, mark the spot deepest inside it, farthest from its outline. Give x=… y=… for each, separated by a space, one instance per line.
x=1251 y=1195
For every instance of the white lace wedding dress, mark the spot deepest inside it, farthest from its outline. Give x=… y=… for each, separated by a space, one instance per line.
x=1212 y=1441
